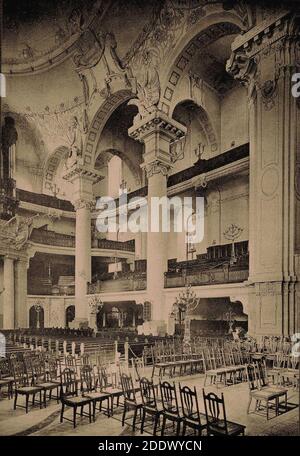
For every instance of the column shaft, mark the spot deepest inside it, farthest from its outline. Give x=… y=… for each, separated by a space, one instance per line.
x=8 y=294
x=82 y=260
x=21 y=294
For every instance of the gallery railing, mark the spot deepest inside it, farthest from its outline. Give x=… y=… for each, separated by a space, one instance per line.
x=65 y=240
x=212 y=276
x=126 y=282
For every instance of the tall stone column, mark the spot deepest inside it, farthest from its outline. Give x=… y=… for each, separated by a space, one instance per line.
x=264 y=59
x=8 y=294
x=82 y=179
x=21 y=317
x=156 y=131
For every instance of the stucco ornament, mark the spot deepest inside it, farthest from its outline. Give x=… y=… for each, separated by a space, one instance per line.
x=147 y=85
x=76 y=142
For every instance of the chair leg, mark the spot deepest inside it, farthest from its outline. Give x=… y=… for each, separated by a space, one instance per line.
x=124 y=414
x=183 y=428
x=134 y=418
x=249 y=404
x=156 y=419
x=15 y=402
x=27 y=400
x=74 y=416
x=62 y=412
x=163 y=425
x=90 y=412
x=178 y=428
x=143 y=419
x=94 y=411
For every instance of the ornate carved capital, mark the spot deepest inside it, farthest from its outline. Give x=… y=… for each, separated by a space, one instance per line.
x=156 y=167
x=157 y=123
x=84 y=204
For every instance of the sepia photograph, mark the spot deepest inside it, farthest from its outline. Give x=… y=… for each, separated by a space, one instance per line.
x=149 y=223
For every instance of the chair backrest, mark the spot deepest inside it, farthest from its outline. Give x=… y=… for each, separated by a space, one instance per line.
x=85 y=360
x=70 y=361
x=87 y=378
x=253 y=377
x=169 y=397
x=138 y=367
x=128 y=388
x=148 y=392
x=5 y=369
x=20 y=374
x=189 y=403
x=69 y=381
x=215 y=412
x=38 y=369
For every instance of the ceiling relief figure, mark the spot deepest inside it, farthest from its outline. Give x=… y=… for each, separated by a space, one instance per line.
x=97 y=61
x=76 y=143
x=147 y=84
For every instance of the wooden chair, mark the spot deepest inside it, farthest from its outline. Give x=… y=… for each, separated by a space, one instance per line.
x=217 y=423
x=290 y=374
x=89 y=389
x=170 y=406
x=24 y=387
x=6 y=377
x=131 y=401
x=107 y=386
x=42 y=380
x=192 y=418
x=71 y=399
x=261 y=391
x=150 y=403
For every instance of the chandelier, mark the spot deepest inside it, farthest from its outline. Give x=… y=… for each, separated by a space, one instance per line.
x=95 y=304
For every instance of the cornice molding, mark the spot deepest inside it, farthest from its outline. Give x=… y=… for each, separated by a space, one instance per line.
x=157 y=122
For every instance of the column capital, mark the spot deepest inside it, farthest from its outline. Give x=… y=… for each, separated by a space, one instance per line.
x=84 y=203
x=157 y=122
x=82 y=172
x=156 y=167
x=82 y=177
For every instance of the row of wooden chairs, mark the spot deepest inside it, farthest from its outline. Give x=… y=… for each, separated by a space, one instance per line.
x=160 y=402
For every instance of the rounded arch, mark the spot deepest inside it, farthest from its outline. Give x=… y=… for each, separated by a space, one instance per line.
x=99 y=121
x=134 y=169
x=208 y=128
x=199 y=36
x=52 y=165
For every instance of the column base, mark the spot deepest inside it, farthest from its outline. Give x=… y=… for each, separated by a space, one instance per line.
x=153 y=327
x=79 y=323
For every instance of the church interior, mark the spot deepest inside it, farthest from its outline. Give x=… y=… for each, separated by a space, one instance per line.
x=129 y=102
